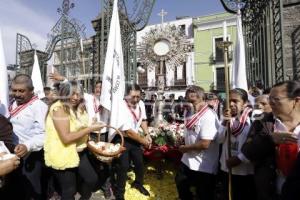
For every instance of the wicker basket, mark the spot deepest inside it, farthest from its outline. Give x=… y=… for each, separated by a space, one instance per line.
x=100 y=152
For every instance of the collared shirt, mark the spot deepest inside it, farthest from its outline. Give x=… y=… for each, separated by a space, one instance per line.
x=29 y=125
x=245 y=168
x=134 y=116
x=205 y=129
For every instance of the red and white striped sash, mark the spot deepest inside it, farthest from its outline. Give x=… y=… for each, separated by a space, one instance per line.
x=242 y=123
x=189 y=124
x=96 y=108
x=18 y=109
x=135 y=117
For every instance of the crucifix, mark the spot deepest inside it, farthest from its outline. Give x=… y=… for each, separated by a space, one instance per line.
x=162 y=13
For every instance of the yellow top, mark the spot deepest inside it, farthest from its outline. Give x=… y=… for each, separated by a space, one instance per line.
x=57 y=154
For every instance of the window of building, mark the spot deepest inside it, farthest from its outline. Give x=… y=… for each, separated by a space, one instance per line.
x=220 y=79
x=218 y=51
x=182 y=28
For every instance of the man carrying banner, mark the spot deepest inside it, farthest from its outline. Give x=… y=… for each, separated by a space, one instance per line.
x=27 y=115
x=199 y=162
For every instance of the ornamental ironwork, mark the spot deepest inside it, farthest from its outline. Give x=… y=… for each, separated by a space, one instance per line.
x=262 y=27
x=164 y=43
x=134 y=16
x=64 y=29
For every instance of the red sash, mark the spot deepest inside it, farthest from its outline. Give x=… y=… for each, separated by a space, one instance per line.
x=137 y=119
x=96 y=108
x=194 y=118
x=242 y=123
x=14 y=112
x=286 y=157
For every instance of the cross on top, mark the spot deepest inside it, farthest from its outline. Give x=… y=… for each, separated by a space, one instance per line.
x=162 y=13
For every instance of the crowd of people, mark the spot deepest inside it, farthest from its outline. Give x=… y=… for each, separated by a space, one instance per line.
x=256 y=140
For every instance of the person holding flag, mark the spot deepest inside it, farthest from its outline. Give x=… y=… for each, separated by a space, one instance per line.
x=242 y=170
x=199 y=162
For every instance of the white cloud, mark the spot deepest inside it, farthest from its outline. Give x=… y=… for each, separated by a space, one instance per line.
x=17 y=17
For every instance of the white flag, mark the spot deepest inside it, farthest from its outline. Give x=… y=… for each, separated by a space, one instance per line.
x=113 y=81
x=4 y=99
x=37 y=78
x=239 y=77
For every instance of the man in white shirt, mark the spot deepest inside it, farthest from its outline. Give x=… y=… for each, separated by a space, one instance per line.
x=27 y=115
x=134 y=110
x=199 y=162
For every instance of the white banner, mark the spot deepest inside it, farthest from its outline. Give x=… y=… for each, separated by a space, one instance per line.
x=37 y=78
x=113 y=81
x=3 y=82
x=239 y=77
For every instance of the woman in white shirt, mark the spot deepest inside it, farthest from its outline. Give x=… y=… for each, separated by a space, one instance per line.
x=242 y=170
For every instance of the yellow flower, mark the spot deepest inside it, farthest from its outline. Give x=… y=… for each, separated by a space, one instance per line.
x=163 y=189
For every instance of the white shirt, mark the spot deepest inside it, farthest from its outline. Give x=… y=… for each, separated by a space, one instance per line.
x=245 y=168
x=205 y=129
x=92 y=104
x=29 y=125
x=134 y=117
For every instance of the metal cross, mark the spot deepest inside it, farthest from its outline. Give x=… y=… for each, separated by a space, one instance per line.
x=162 y=14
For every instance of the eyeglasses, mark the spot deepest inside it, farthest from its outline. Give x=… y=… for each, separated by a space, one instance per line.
x=277 y=99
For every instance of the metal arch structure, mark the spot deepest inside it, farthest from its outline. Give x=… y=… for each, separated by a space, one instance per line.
x=66 y=31
x=60 y=33
x=134 y=16
x=262 y=27
x=22 y=44
x=139 y=14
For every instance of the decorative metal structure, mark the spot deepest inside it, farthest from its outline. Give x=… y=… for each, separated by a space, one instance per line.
x=23 y=44
x=164 y=43
x=134 y=16
x=262 y=24
x=66 y=31
x=163 y=46
x=24 y=56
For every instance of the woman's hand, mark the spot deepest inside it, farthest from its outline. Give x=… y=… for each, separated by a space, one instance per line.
x=284 y=137
x=96 y=126
x=6 y=166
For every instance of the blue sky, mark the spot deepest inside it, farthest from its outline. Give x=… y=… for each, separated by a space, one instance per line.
x=35 y=18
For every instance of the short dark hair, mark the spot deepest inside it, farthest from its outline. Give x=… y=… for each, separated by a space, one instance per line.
x=132 y=86
x=47 y=89
x=241 y=92
x=196 y=89
x=97 y=82
x=292 y=88
x=23 y=79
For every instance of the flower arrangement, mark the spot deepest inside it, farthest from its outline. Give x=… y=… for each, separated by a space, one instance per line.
x=167 y=134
